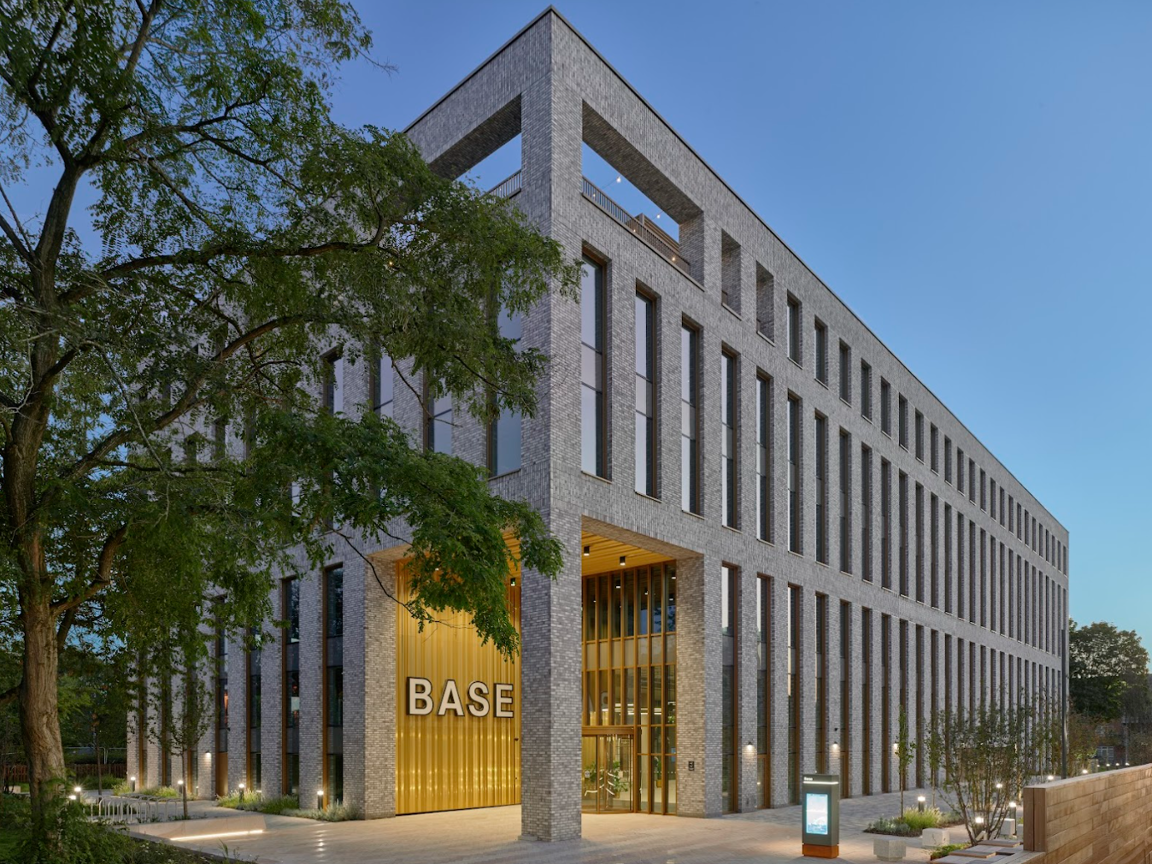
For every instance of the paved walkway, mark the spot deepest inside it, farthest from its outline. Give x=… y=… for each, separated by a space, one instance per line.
x=490 y=836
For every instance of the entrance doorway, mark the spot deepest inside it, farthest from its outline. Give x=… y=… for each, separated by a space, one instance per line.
x=608 y=760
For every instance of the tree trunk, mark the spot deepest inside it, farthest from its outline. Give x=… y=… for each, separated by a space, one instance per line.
x=39 y=714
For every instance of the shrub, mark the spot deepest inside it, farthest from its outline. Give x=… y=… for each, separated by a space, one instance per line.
x=948 y=849
x=153 y=792
x=895 y=827
x=917 y=820
x=334 y=813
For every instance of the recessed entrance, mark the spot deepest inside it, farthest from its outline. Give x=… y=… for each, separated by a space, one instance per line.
x=608 y=760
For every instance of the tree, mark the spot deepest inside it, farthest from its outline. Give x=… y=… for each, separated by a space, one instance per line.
x=987 y=761
x=934 y=748
x=241 y=233
x=1107 y=671
x=1082 y=742
x=905 y=751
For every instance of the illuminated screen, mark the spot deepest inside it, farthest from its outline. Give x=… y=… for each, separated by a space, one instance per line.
x=816 y=813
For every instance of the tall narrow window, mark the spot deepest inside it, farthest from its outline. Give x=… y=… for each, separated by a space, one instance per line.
x=959 y=564
x=948 y=558
x=794 y=685
x=690 y=419
x=593 y=371
x=220 y=781
x=845 y=502
x=959 y=470
x=885 y=524
x=845 y=739
x=765 y=303
x=866 y=700
x=333 y=383
x=438 y=422
x=763 y=688
x=845 y=372
x=333 y=669
x=866 y=512
x=902 y=421
x=983 y=490
x=764 y=458
x=885 y=702
x=290 y=610
x=729 y=388
x=252 y=776
x=902 y=492
x=821 y=694
x=918 y=506
x=821 y=353
x=934 y=549
x=380 y=384
x=919 y=420
x=865 y=390
x=885 y=407
x=934 y=448
x=729 y=272
x=821 y=489
x=795 y=528
x=947 y=459
x=795 y=329
x=972 y=481
x=645 y=395
x=729 y=610
x=506 y=431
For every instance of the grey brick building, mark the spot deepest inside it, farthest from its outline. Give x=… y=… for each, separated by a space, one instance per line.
x=775 y=534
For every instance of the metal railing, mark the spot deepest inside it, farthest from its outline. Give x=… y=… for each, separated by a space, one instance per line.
x=641 y=225
x=507 y=187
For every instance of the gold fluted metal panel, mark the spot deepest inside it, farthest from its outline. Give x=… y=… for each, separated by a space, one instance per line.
x=450 y=762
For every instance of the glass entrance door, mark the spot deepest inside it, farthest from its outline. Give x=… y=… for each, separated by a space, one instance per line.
x=608 y=761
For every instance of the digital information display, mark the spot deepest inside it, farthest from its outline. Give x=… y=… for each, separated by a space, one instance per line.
x=816 y=813
x=820 y=820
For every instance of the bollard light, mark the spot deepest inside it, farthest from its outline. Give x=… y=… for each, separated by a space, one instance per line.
x=920 y=801
x=1051 y=777
x=319 y=799
x=1083 y=770
x=241 y=791
x=133 y=781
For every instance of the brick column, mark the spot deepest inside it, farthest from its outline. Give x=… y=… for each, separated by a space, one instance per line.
x=698 y=687
x=371 y=781
x=550 y=693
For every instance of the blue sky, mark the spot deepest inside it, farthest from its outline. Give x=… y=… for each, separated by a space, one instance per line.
x=973 y=179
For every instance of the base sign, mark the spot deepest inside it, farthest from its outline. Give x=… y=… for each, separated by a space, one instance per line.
x=820 y=800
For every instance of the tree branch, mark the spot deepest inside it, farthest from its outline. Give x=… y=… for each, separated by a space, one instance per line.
x=186 y=402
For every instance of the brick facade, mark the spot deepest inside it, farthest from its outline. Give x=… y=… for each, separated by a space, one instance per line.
x=552 y=87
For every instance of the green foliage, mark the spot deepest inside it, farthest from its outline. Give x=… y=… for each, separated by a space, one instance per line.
x=1107 y=672
x=992 y=753
x=240 y=235
x=257 y=803
x=931 y=817
x=75 y=839
x=335 y=813
x=947 y=849
x=895 y=827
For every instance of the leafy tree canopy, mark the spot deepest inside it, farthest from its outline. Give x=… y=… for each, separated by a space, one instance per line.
x=241 y=233
x=1108 y=671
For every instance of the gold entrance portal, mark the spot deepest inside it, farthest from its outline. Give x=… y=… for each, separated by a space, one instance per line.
x=458 y=712
x=629 y=644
